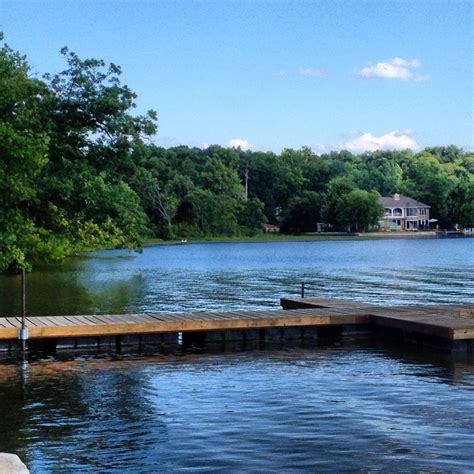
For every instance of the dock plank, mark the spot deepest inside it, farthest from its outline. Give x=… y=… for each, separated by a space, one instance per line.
x=13 y=322
x=452 y=322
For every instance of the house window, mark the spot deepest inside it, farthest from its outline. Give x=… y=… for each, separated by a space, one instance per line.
x=422 y=211
x=411 y=211
x=397 y=212
x=388 y=212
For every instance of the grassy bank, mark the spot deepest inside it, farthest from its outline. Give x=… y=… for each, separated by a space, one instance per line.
x=297 y=238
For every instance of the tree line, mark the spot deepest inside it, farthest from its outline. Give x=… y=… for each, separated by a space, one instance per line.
x=79 y=171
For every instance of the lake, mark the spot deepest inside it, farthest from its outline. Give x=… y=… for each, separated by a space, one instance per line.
x=197 y=277
x=353 y=406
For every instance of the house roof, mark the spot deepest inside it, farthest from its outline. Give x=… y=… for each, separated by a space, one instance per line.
x=402 y=202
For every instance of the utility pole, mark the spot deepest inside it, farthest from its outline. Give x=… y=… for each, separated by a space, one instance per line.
x=246 y=183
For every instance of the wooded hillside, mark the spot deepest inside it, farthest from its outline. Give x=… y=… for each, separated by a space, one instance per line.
x=79 y=170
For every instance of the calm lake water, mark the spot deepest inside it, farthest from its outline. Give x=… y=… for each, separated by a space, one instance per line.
x=199 y=277
x=351 y=406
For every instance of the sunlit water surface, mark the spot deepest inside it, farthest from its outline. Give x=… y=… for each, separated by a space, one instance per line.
x=198 y=277
x=354 y=406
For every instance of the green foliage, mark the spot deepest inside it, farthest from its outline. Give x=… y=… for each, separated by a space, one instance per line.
x=349 y=208
x=251 y=215
x=334 y=205
x=466 y=204
x=302 y=213
x=361 y=210
x=429 y=182
x=78 y=173
x=67 y=175
x=211 y=214
x=23 y=154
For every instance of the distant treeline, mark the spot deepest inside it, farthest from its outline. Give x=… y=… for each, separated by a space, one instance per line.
x=78 y=171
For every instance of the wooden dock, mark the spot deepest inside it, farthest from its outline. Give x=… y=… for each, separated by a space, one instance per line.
x=441 y=323
x=155 y=323
x=446 y=322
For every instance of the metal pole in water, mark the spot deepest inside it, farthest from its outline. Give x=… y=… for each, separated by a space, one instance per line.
x=302 y=289
x=24 y=329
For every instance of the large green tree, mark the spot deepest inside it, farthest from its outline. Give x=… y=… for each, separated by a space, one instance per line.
x=361 y=210
x=333 y=211
x=90 y=180
x=428 y=181
x=23 y=154
x=302 y=213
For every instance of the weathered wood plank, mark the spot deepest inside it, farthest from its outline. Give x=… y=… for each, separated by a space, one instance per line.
x=13 y=322
x=452 y=322
x=148 y=328
x=157 y=317
x=62 y=321
x=74 y=320
x=82 y=320
x=120 y=318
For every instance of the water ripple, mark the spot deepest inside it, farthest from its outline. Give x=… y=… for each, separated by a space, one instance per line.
x=329 y=409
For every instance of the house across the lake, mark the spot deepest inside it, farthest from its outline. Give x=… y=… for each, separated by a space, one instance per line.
x=404 y=213
x=270 y=228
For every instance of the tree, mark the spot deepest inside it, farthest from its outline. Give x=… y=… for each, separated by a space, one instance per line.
x=210 y=214
x=466 y=205
x=333 y=211
x=360 y=210
x=303 y=213
x=347 y=207
x=429 y=182
x=89 y=177
x=23 y=154
x=251 y=215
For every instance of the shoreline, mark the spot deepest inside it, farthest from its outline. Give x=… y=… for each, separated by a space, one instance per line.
x=268 y=238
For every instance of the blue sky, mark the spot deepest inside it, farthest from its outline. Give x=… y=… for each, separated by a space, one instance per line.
x=268 y=75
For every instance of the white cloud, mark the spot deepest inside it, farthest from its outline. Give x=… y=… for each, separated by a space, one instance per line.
x=395 y=68
x=395 y=140
x=241 y=143
x=311 y=72
x=405 y=63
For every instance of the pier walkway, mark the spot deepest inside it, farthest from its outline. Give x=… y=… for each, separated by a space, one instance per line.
x=446 y=324
x=452 y=322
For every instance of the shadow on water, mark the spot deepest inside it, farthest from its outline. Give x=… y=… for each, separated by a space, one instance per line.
x=62 y=415
x=61 y=291
x=112 y=413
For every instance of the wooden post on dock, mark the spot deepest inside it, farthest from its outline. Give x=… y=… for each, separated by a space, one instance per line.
x=302 y=289
x=24 y=329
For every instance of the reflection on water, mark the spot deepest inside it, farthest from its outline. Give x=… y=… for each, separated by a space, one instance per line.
x=350 y=407
x=200 y=277
x=336 y=408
